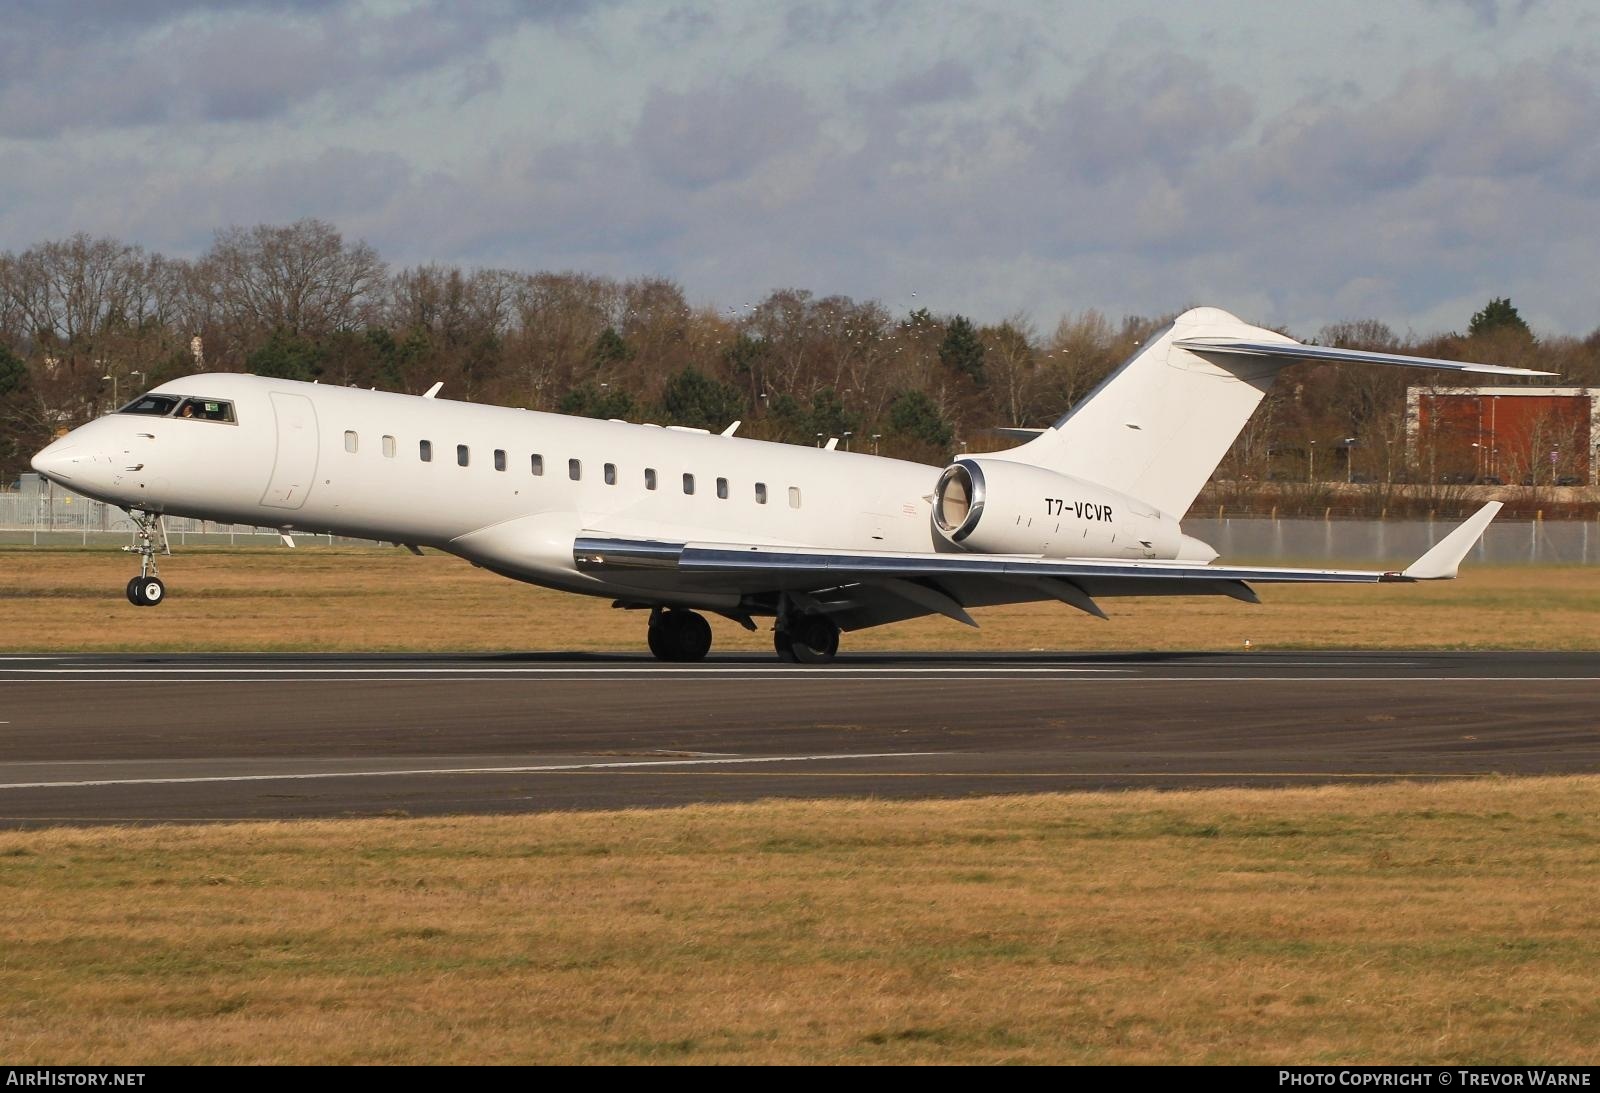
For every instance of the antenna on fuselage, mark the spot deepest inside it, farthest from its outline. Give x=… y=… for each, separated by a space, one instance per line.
x=730 y=430
x=434 y=390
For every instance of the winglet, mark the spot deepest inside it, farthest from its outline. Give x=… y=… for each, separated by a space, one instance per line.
x=1441 y=563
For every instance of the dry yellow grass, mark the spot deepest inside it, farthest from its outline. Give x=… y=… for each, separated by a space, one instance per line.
x=1400 y=923
x=374 y=599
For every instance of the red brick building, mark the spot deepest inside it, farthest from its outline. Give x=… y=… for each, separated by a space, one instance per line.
x=1518 y=435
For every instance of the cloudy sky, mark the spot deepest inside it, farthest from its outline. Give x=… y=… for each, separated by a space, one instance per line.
x=1294 y=162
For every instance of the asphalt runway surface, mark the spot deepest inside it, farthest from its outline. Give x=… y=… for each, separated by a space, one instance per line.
x=94 y=738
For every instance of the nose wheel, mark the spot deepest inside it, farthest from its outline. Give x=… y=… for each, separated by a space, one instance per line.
x=149 y=539
x=146 y=591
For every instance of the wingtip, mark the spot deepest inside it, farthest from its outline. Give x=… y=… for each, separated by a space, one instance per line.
x=1442 y=562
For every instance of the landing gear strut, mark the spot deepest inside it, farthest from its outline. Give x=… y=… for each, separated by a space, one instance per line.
x=678 y=635
x=806 y=639
x=150 y=539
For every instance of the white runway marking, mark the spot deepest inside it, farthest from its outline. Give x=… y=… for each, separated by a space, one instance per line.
x=546 y=769
x=582 y=672
x=817 y=675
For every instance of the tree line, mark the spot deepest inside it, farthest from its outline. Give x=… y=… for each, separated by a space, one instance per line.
x=88 y=322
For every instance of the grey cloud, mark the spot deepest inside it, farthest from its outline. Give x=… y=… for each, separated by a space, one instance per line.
x=941 y=81
x=720 y=132
x=1528 y=119
x=185 y=62
x=1166 y=110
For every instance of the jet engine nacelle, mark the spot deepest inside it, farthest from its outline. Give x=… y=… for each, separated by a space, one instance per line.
x=992 y=506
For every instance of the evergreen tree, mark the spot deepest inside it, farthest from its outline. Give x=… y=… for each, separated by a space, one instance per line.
x=587 y=400
x=609 y=348
x=1498 y=314
x=693 y=398
x=287 y=356
x=916 y=417
x=962 y=350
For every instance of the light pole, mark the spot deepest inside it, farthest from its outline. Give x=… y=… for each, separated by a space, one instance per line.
x=875 y=437
x=1311 y=467
x=112 y=376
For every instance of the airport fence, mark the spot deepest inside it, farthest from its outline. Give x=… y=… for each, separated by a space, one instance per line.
x=46 y=516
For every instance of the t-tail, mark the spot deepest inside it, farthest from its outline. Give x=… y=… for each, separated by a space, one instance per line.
x=1159 y=425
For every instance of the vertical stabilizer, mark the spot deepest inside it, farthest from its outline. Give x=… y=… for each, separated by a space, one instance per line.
x=1159 y=425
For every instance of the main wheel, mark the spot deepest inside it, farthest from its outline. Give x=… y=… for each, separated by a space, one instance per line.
x=680 y=636
x=150 y=591
x=133 y=591
x=814 y=639
x=656 y=637
x=783 y=645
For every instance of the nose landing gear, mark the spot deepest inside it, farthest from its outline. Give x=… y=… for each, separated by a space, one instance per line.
x=150 y=538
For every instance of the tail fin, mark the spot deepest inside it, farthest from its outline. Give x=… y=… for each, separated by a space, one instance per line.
x=1158 y=426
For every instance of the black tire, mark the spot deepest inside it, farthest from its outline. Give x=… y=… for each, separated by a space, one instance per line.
x=656 y=638
x=133 y=592
x=783 y=645
x=815 y=640
x=151 y=592
x=680 y=636
x=692 y=635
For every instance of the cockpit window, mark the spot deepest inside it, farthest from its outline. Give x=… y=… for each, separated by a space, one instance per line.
x=207 y=409
x=154 y=405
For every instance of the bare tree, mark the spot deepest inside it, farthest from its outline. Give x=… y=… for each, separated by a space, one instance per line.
x=302 y=279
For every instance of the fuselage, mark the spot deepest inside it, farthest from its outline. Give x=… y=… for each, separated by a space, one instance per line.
x=508 y=489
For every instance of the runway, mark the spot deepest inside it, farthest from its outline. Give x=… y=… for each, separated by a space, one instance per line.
x=176 y=737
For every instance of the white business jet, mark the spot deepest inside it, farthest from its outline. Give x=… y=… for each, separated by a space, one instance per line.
x=680 y=521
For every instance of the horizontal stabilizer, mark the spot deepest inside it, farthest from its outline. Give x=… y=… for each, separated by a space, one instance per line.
x=1290 y=352
x=1441 y=563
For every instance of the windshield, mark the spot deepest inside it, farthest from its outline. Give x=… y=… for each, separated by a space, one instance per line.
x=207 y=409
x=154 y=405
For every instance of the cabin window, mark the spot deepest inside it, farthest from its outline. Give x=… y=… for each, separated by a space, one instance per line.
x=794 y=497
x=761 y=493
x=351 y=441
x=611 y=474
x=499 y=459
x=538 y=464
x=649 y=478
x=388 y=447
x=207 y=409
x=462 y=456
x=722 y=488
x=154 y=405
x=425 y=450
x=574 y=469
x=688 y=483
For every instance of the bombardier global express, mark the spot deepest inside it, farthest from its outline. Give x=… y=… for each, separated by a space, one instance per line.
x=681 y=521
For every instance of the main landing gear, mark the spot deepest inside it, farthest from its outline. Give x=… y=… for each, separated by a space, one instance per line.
x=806 y=639
x=678 y=635
x=150 y=539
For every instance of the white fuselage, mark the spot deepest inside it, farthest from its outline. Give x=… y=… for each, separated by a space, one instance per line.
x=511 y=489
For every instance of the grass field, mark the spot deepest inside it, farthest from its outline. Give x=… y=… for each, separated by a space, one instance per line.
x=377 y=599
x=1432 y=923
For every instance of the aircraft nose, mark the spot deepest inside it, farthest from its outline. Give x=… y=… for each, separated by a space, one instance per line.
x=56 y=462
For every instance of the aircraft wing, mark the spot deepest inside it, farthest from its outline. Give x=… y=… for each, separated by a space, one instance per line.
x=947 y=583
x=1289 y=352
